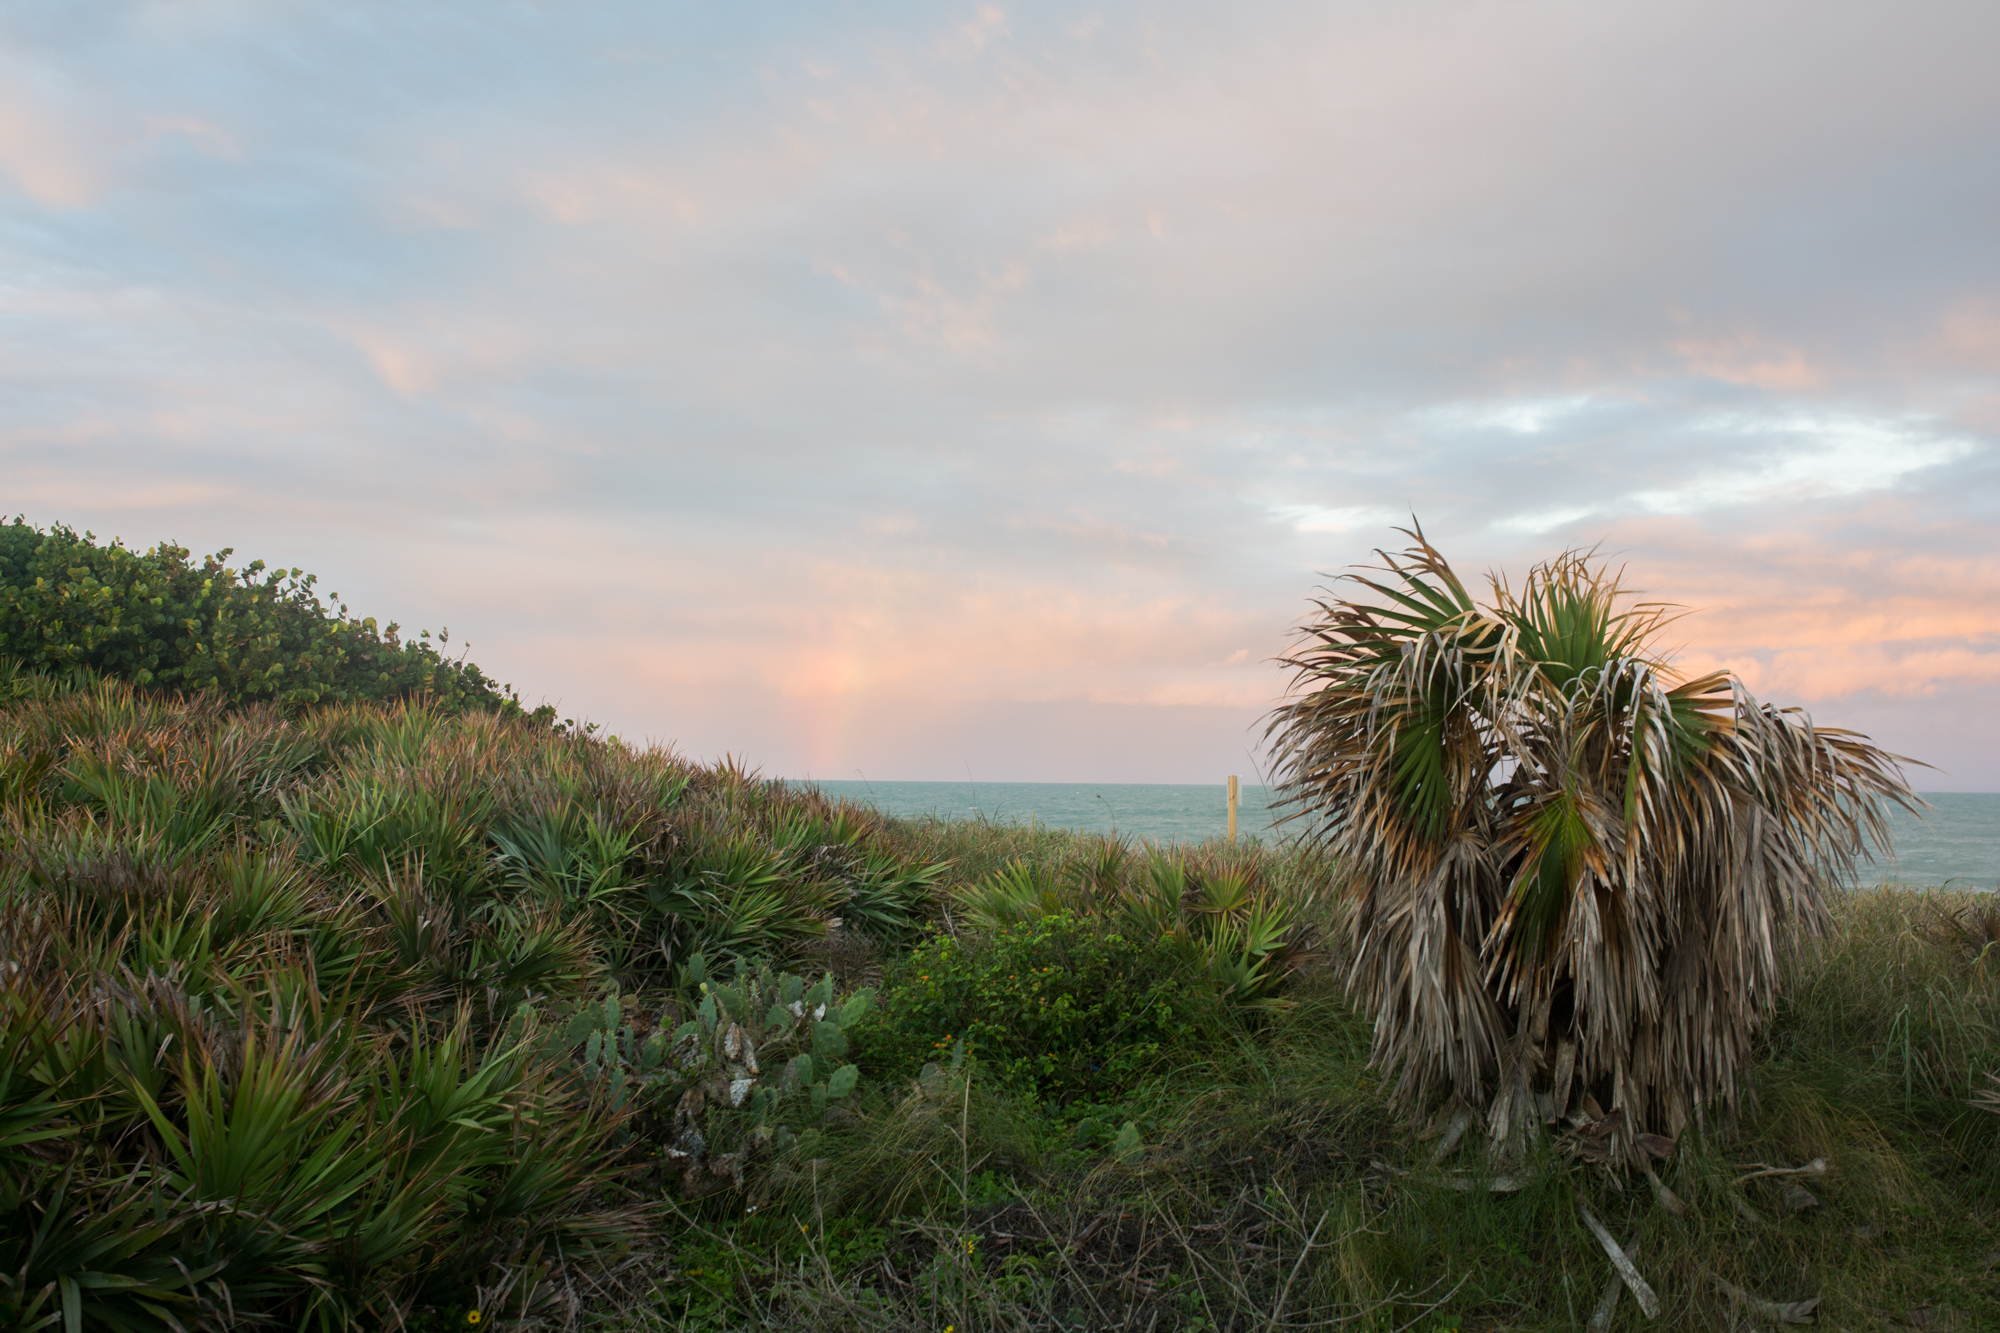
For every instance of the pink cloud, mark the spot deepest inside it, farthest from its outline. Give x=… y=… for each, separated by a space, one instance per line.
x=1805 y=617
x=1749 y=360
x=44 y=155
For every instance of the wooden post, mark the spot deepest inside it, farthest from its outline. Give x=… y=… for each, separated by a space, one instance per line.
x=1232 y=807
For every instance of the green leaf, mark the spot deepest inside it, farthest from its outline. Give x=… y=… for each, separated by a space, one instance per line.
x=856 y=1008
x=843 y=1080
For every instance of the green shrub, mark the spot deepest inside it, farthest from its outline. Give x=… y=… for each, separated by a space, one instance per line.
x=158 y=619
x=1242 y=937
x=1060 y=1006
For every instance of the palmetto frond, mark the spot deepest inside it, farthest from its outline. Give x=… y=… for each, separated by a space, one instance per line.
x=1574 y=873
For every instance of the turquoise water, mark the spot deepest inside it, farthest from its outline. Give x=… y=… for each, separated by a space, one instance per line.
x=1161 y=812
x=1957 y=842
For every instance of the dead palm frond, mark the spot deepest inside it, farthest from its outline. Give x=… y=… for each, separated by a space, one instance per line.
x=1574 y=873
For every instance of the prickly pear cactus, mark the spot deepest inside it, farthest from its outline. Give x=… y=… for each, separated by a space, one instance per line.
x=615 y=1061
x=754 y=1043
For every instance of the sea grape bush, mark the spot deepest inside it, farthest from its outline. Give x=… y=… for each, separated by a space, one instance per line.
x=1057 y=1006
x=163 y=621
x=1242 y=936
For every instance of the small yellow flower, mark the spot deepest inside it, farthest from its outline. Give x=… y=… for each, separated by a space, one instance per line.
x=472 y=1318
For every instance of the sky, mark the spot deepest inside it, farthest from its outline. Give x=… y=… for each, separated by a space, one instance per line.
x=983 y=390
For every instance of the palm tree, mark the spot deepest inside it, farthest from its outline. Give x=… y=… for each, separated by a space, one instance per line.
x=1573 y=874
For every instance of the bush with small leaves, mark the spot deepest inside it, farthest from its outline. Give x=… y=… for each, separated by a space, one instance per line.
x=1057 y=1005
x=160 y=620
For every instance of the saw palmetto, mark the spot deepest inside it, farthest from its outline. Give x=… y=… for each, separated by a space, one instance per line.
x=1573 y=872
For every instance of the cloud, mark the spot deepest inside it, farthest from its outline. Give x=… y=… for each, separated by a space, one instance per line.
x=1744 y=359
x=837 y=382
x=1320 y=518
x=1826 y=455
x=1770 y=458
x=50 y=145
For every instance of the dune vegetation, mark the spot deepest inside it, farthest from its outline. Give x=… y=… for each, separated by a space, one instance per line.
x=160 y=620
x=380 y=1007
x=376 y=1015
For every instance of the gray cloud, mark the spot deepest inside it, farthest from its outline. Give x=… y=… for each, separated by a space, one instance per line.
x=877 y=363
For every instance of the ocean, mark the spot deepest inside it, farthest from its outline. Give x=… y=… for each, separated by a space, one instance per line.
x=1956 y=843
